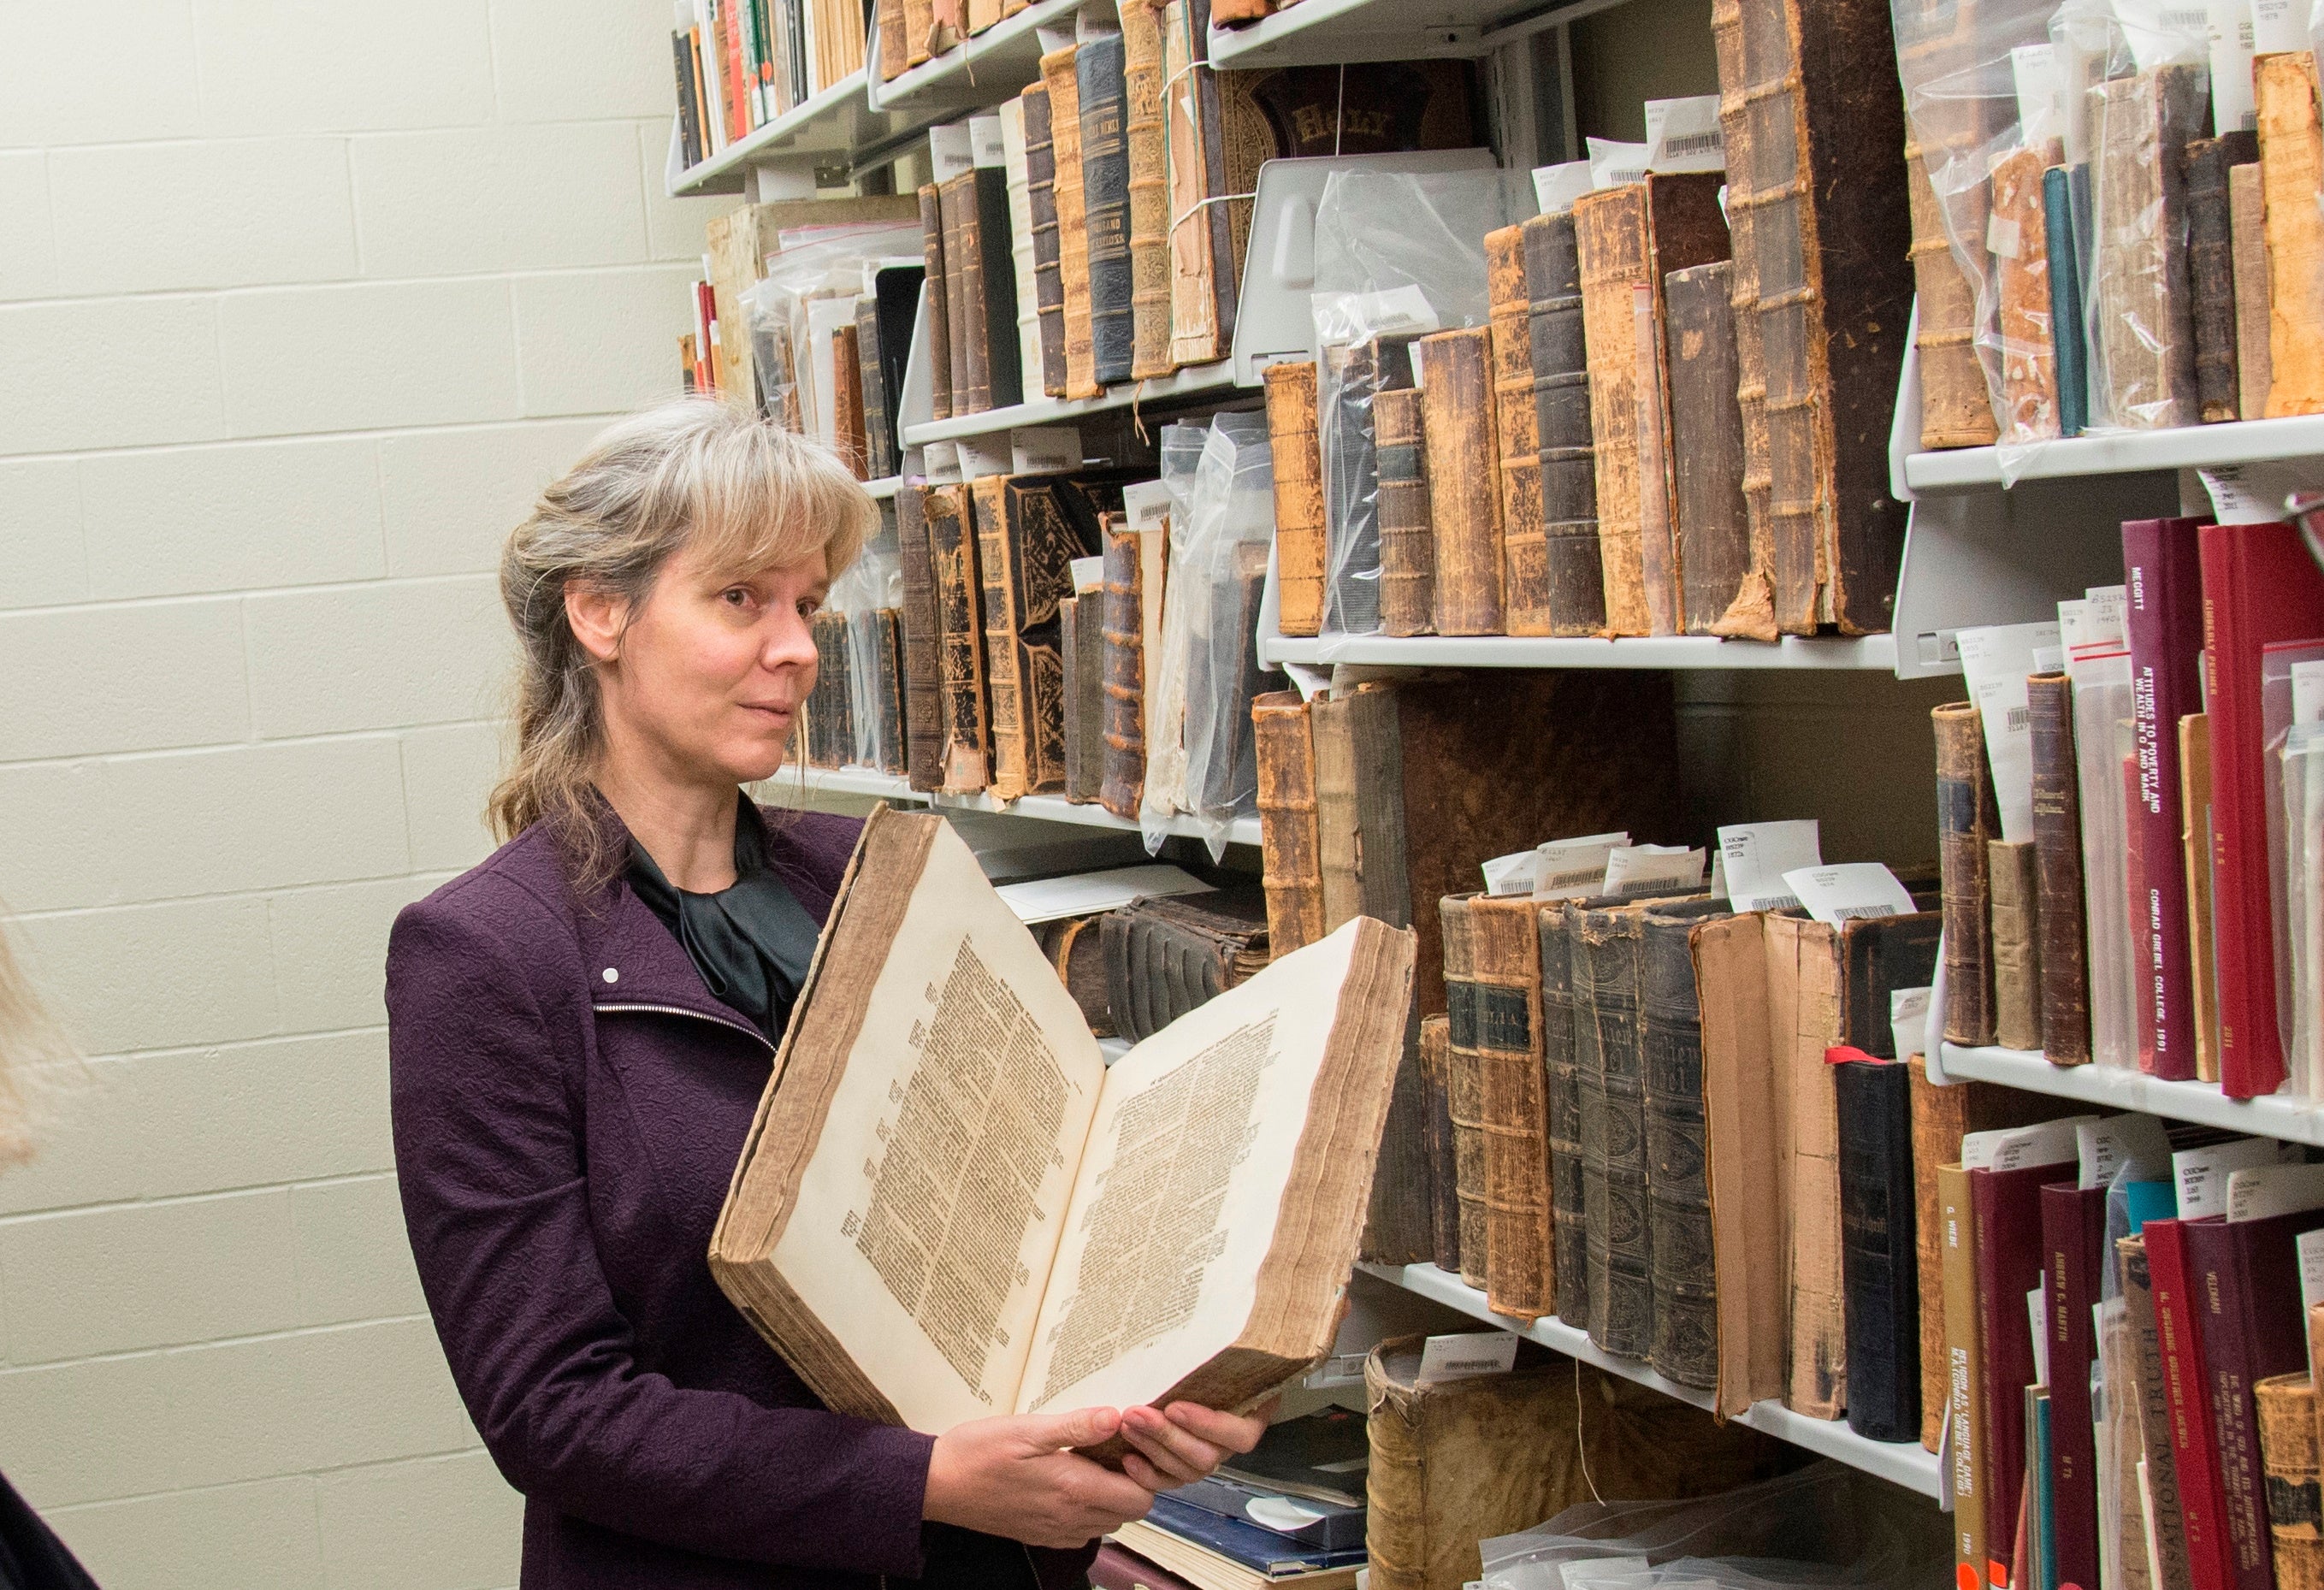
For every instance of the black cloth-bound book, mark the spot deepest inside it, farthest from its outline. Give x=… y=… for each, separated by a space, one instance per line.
x=1879 y=1262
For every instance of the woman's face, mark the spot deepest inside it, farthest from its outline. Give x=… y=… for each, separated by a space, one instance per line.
x=708 y=676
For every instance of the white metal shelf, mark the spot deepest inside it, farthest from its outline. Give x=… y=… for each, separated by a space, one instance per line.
x=1047 y=808
x=1191 y=382
x=1876 y=652
x=2278 y=1115
x=1325 y=33
x=884 y=487
x=981 y=70
x=2186 y=446
x=1903 y=1463
x=837 y=122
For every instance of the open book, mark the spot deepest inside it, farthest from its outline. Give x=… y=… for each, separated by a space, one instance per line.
x=949 y=1207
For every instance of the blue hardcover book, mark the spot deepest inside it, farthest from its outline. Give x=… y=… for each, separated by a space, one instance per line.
x=2059 y=211
x=1261 y=1549
x=2045 y=1520
x=1337 y=1528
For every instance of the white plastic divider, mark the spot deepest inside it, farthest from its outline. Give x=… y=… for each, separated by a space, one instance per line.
x=2286 y=1115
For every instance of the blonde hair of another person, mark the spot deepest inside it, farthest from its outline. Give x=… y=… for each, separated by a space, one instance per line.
x=34 y=1052
x=696 y=473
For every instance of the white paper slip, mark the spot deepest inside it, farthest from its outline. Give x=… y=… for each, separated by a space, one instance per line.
x=1084 y=894
x=2258 y=1192
x=2232 y=105
x=1573 y=869
x=2310 y=1246
x=1146 y=505
x=1045 y=449
x=985 y=145
x=2308 y=692
x=2037 y=1319
x=1614 y=165
x=952 y=150
x=1849 y=890
x=2278 y=26
x=1651 y=869
x=2073 y=623
x=1394 y=311
x=941 y=459
x=1684 y=135
x=1468 y=1353
x=2033 y=73
x=2110 y=611
x=2105 y=1146
x=1341 y=1369
x=1089 y=574
x=985 y=455
x=2253 y=493
x=1908 y=1020
x=1995 y=660
x=1755 y=857
x=2015 y=1148
x=1555 y=187
x=1511 y=874
x=2200 y=1175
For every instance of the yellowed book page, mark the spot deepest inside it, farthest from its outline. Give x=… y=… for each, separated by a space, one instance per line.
x=1181 y=1188
x=947 y=1154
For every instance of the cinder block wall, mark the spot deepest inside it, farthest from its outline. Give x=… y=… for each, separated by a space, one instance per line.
x=299 y=303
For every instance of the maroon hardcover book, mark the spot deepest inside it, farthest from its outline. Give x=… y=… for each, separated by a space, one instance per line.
x=2008 y=1205
x=2073 y=1241
x=2179 y=1320
x=2161 y=566
x=1119 y=1568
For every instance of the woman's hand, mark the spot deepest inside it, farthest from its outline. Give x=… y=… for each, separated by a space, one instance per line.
x=1014 y=1476
x=1183 y=1443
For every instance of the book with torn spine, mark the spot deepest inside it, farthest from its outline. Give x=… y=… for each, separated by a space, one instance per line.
x=1955 y=408
x=1408 y=546
x=1299 y=482
x=2290 y=169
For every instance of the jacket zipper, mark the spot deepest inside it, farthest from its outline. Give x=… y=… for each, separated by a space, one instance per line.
x=715 y=1021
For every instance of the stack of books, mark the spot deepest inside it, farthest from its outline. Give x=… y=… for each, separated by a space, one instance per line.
x=741 y=63
x=1291 y=1511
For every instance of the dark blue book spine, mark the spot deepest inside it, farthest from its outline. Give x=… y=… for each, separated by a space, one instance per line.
x=2060 y=209
x=1105 y=185
x=1246 y=1544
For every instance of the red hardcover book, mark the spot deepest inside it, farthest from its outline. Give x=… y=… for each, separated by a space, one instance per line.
x=1119 y=1568
x=738 y=102
x=2259 y=585
x=2073 y=1240
x=2008 y=1207
x=2178 y=1323
x=2161 y=566
x=2246 y=1284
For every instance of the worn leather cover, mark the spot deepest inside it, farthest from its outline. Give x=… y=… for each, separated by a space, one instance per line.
x=1335 y=807
x=1965 y=823
x=1400 y=1221
x=2016 y=944
x=971 y=369
x=2286 y=1410
x=1464 y=501
x=1562 y=1119
x=1408 y=545
x=1561 y=395
x=965 y=764
x=1149 y=188
x=1831 y=239
x=1203 y=279
x=922 y=38
x=2255 y=292
x=895 y=51
x=887 y=687
x=2195 y=847
x=830 y=720
x=2029 y=359
x=1298 y=496
x=1525 y=591
x=1123 y=638
x=1706 y=436
x=1042 y=524
x=1004 y=550
x=1375 y=743
x=993 y=282
x=1615 y=1213
x=1956 y=408
x=939 y=301
x=1049 y=284
x=1443 y=1187
x=1167 y=955
x=1754 y=615
x=1098 y=65
x=1058 y=71
x=1500 y=1005
x=1081 y=642
x=1686 y=1343
x=1352 y=378
x=2292 y=170
x=1290 y=850
x=923 y=644
x=2146 y=336
x=1878 y=1260
x=1465 y=1101
x=872 y=385
x=1803 y=998
x=2065 y=1035
x=2211 y=268
x=1745 y=1118
x=849 y=418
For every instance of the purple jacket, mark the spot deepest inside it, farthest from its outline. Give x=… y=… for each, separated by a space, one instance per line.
x=570 y=1102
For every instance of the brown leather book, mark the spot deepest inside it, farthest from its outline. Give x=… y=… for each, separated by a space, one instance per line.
x=1502 y=1003
x=1753 y=616
x=2292 y=170
x=2016 y=944
x=1150 y=189
x=1298 y=496
x=1465 y=1109
x=1290 y=850
x=1967 y=824
x=2211 y=268
x=1561 y=394
x=1407 y=541
x=1072 y=222
x=1124 y=643
x=1168 y=955
x=895 y=51
x=1350 y=379
x=1683 y=1269
x=964 y=763
x=922 y=39
x=2195 y=845
x=1376 y=741
x=2286 y=1406
x=1029 y=529
x=1041 y=194
x=2029 y=357
x=939 y=313
x=829 y=724
x=2247 y=225
x=923 y=645
x=1076 y=948
x=1831 y=240
x=1081 y=640
x=1335 y=807
x=1714 y=535
x=887 y=687
x=2065 y=1028
x=847 y=403
x=1627 y=237
x=2146 y=343
x=1525 y=592
x=1657 y=551
x=1956 y=408
x=1203 y=278
x=972 y=380
x=1464 y=501
x=1562 y=1088
x=1443 y=1187
x=1603 y=942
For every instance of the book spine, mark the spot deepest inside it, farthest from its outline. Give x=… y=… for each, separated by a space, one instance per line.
x=964 y=764
x=2058 y=867
x=937 y=314
x=1098 y=64
x=2146 y=335
x=1290 y=849
x=1614 y=1188
x=985 y=220
x=1560 y=396
x=971 y=379
x=1335 y=808
x=1291 y=422
x=1443 y=1186
x=1804 y=976
x=1563 y=1120
x=888 y=638
x=2255 y=288
x=2073 y=1238
x=851 y=420
x=1706 y=445
x=1753 y=616
x=895 y=50
x=1041 y=194
x=2235 y=1308
x=1940 y=1115
x=1005 y=694
x=1966 y=824
x=1124 y=641
x=920 y=39
x=1609 y=229
x=1658 y=507
x=2167 y=1517
x=1057 y=70
x=2211 y=269
x=1201 y=242
x=831 y=728
x=2186 y=1382
x=1465 y=1100
x=1505 y=960
x=1082 y=774
x=2009 y=1266
x=1525 y=537
x=2011 y=873
x=2161 y=569
x=2060 y=206
x=1877 y=1254
x=1022 y=278
x=1686 y=1343
x=1407 y=541
x=2020 y=230
x=1350 y=379
x=2195 y=849
x=1966 y=1476
x=1377 y=738
x=1463 y=497
x=2291 y=168
x=2286 y=1407
x=923 y=645
x=878 y=426
x=690 y=110
x=1150 y=189
x=1955 y=408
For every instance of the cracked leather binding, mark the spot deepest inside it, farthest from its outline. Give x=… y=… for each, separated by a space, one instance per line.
x=1150 y=189
x=1464 y=501
x=886 y=688
x=2058 y=871
x=1289 y=849
x=1526 y=588
x=1081 y=637
x=1753 y=616
x=1298 y=496
x=965 y=764
x=2145 y=346
x=1098 y=65
x=1706 y=430
x=2211 y=268
x=1123 y=616
x=830 y=721
x=2010 y=871
x=1028 y=530
x=922 y=643
x=1041 y=195
x=1408 y=546
x=972 y=380
x=938 y=314
x=1073 y=220
x=1684 y=1346
x=1444 y=1189
x=1563 y=1120
x=2290 y=169
x=1615 y=1207
x=1965 y=823
x=1502 y=998
x=1561 y=400
x=1956 y=407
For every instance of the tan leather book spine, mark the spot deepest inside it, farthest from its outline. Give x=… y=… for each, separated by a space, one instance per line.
x=1505 y=1008
x=2146 y=343
x=1745 y=1130
x=1124 y=783
x=2029 y=358
x=2195 y=844
x=937 y=311
x=1298 y=496
x=895 y=52
x=1465 y=1086
x=1713 y=530
x=2254 y=313
x=1956 y=407
x=2016 y=944
x=1456 y=398
x=1657 y=542
x=2287 y=1450
x=1329 y=725
x=1004 y=684
x=1939 y=1119
x=1525 y=532
x=1804 y=986
x=965 y=765
x=1752 y=616
x=1407 y=539
x=1202 y=284
x=2065 y=1035
x=2292 y=171
x=923 y=645
x=1966 y=824
x=1072 y=221
x=971 y=379
x=847 y=403
x=1150 y=189
x=1290 y=850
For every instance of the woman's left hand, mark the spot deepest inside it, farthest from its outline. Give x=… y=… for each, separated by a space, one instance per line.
x=1183 y=1443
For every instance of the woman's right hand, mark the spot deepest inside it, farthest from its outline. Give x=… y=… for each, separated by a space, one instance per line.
x=1018 y=1477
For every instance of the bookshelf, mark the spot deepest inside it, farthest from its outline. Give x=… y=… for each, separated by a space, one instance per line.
x=1874 y=652
x=2113 y=1088
x=2186 y=446
x=979 y=72
x=1325 y=33
x=812 y=782
x=1196 y=380
x=826 y=129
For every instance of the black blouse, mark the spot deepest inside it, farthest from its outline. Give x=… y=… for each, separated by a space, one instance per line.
x=751 y=940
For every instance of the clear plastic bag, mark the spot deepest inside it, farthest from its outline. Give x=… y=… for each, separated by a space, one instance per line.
x=2101 y=672
x=873 y=584
x=1165 y=794
x=809 y=289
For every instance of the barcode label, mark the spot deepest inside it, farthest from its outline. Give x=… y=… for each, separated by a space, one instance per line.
x=2199 y=20
x=2020 y=718
x=1687 y=143
x=1850 y=912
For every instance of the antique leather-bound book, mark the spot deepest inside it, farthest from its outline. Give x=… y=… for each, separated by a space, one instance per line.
x=1351 y=377
x=1878 y=1257
x=1616 y=1211
x=1804 y=995
x=1686 y=1343
x=1149 y=188
x=1444 y=1189
x=1335 y=807
x=1465 y=1104
x=1057 y=70
x=885 y=630
x=922 y=39
x=1022 y=276
x=1630 y=236
x=1124 y=642
x=1706 y=436
x=1075 y=947
x=1753 y=616
x=1502 y=1004
x=1098 y=65
x=923 y=645
x=1956 y=408
x=1464 y=501
x=1562 y=1119
x=2029 y=359
x=2195 y=847
x=2015 y=893
x=1041 y=194
x=2287 y=1448
x=1290 y=849
x=964 y=763
x=1561 y=386
x=1825 y=189
x=1965 y=823
x=830 y=720
x=1029 y=529
x=895 y=52
x=1203 y=283
x=2147 y=335
x=2211 y=268
x=991 y=227
x=2291 y=169
x=2065 y=1029
x=2247 y=228
x=1525 y=590
x=879 y=425
x=1376 y=740
x=939 y=301
x=971 y=369
x=1407 y=541
x=1298 y=496
x=850 y=421
x=1081 y=634
x=1170 y=954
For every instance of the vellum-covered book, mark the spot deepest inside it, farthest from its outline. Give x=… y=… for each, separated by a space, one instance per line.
x=949 y=1207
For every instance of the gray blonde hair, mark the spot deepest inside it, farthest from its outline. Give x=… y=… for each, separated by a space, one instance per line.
x=693 y=473
x=35 y=1056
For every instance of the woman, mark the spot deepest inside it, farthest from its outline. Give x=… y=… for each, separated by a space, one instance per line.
x=580 y=1029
